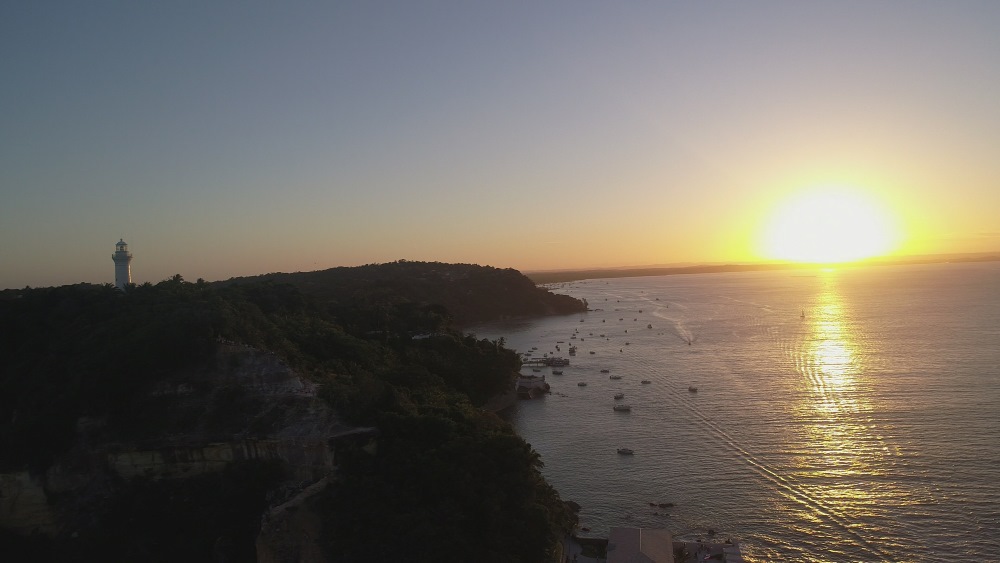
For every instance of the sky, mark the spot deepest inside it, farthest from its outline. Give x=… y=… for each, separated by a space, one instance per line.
x=224 y=139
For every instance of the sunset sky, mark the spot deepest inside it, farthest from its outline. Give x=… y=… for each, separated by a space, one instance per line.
x=224 y=139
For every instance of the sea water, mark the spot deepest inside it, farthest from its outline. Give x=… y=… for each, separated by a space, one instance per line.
x=848 y=414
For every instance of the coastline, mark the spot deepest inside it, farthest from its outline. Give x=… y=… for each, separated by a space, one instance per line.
x=563 y=276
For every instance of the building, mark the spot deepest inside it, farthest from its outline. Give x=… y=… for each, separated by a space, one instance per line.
x=654 y=545
x=123 y=259
x=639 y=545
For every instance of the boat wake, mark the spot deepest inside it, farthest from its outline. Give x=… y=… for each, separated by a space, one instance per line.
x=786 y=487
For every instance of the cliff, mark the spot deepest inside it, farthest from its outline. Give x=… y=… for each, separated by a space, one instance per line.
x=255 y=409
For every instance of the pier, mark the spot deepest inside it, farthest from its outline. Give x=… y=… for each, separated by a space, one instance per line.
x=557 y=362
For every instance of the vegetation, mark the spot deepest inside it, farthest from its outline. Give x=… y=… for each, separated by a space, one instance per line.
x=385 y=355
x=468 y=293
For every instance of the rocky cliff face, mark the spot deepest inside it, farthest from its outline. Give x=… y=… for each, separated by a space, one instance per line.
x=24 y=506
x=246 y=405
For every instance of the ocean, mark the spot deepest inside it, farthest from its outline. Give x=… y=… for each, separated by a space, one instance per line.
x=846 y=414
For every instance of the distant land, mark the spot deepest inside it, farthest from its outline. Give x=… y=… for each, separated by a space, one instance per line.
x=562 y=276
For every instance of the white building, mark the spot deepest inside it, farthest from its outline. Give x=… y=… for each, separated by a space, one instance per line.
x=122 y=258
x=640 y=545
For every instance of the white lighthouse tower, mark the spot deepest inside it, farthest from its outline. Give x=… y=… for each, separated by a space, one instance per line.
x=122 y=258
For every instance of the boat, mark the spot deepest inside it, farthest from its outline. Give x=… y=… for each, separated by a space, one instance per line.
x=646 y=382
x=582 y=384
x=536 y=369
x=605 y=371
x=693 y=389
x=615 y=377
x=625 y=451
x=622 y=408
x=649 y=326
x=619 y=396
x=593 y=352
x=557 y=372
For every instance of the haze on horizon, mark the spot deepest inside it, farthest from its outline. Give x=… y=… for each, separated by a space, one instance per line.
x=242 y=138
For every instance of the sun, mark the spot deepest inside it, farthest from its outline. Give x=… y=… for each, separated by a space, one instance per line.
x=828 y=225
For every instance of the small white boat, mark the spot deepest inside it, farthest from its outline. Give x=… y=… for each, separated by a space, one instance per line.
x=557 y=372
x=646 y=382
x=605 y=371
x=693 y=389
x=625 y=451
x=619 y=396
x=614 y=377
x=622 y=408
x=582 y=384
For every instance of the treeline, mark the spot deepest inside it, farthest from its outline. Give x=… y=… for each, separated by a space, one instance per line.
x=470 y=293
x=382 y=357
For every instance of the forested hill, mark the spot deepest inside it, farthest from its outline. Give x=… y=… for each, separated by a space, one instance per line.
x=470 y=293
x=112 y=403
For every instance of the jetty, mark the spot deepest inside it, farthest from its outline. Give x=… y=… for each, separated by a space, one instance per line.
x=546 y=361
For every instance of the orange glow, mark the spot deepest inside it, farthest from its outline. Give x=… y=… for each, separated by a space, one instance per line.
x=828 y=226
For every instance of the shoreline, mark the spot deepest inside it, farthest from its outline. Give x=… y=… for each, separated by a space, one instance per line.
x=564 y=276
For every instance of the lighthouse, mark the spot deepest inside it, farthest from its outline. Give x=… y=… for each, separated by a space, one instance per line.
x=122 y=258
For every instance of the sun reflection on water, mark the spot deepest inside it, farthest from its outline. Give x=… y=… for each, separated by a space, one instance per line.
x=839 y=449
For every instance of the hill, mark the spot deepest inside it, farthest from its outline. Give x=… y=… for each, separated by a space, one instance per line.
x=470 y=293
x=264 y=418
